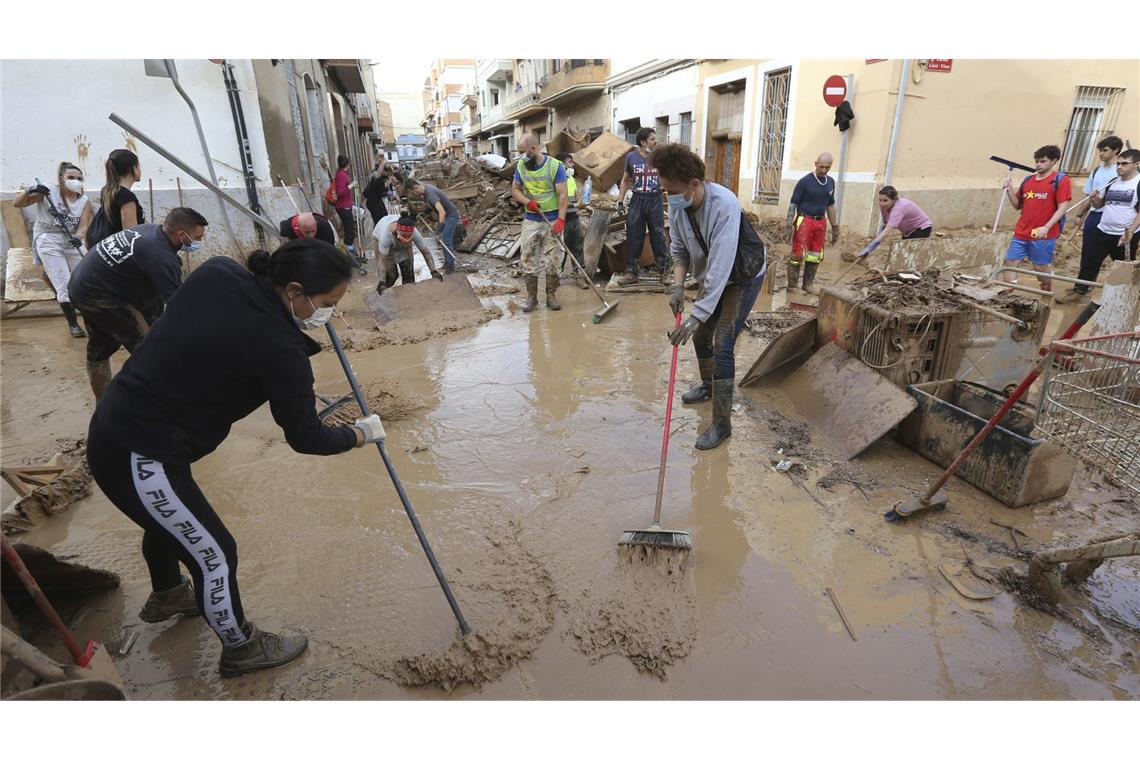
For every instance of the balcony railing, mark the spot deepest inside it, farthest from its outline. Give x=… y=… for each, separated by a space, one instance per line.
x=525 y=97
x=574 y=73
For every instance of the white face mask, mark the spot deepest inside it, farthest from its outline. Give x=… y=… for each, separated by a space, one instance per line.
x=570 y=171
x=74 y=185
x=317 y=319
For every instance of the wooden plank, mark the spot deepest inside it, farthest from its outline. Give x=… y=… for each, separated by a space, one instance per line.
x=23 y=280
x=14 y=222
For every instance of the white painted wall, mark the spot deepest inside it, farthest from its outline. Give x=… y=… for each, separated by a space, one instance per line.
x=52 y=111
x=669 y=95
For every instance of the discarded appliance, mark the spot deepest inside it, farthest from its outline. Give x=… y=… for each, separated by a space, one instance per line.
x=1010 y=464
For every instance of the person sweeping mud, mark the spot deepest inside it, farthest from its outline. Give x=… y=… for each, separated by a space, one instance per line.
x=712 y=237
x=539 y=185
x=230 y=340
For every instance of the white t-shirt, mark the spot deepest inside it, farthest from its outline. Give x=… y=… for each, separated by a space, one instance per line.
x=45 y=219
x=1119 y=206
x=390 y=246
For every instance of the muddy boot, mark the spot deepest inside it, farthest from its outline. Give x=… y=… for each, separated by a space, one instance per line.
x=99 y=373
x=721 y=427
x=262 y=650
x=703 y=390
x=551 y=287
x=72 y=321
x=809 y=277
x=793 y=275
x=531 y=293
x=163 y=605
x=1072 y=295
x=628 y=277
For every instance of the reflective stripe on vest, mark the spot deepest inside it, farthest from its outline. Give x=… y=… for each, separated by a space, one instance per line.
x=539 y=183
x=571 y=190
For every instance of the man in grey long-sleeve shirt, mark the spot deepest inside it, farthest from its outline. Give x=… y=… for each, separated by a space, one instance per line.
x=709 y=233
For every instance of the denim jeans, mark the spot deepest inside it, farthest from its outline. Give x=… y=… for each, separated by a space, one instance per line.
x=446 y=233
x=716 y=338
x=645 y=211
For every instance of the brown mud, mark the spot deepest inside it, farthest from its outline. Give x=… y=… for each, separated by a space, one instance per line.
x=535 y=447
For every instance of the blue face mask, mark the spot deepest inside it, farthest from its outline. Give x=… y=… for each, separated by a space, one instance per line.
x=679 y=201
x=192 y=245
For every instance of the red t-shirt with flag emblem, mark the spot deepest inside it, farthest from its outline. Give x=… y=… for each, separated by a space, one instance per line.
x=1038 y=204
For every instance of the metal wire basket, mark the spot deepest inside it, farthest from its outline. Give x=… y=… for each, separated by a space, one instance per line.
x=1090 y=403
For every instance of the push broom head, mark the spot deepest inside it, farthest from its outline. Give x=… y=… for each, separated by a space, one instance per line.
x=657 y=538
x=605 y=312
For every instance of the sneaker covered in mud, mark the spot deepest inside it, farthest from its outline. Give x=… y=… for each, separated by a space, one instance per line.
x=262 y=650
x=1072 y=295
x=626 y=278
x=163 y=605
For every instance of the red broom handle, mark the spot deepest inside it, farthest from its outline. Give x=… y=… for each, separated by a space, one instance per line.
x=80 y=656
x=665 y=435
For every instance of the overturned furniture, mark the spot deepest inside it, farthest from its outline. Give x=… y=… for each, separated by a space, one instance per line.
x=1009 y=464
x=1080 y=563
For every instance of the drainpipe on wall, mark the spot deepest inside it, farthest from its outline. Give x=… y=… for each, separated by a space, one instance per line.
x=904 y=75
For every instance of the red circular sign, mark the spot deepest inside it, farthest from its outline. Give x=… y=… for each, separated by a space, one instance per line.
x=834 y=90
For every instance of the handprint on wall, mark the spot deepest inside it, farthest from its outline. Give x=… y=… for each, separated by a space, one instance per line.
x=82 y=148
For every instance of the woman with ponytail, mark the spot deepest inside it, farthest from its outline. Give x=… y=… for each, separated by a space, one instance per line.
x=63 y=213
x=120 y=204
x=230 y=339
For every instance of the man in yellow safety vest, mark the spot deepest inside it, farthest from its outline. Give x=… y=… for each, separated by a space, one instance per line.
x=540 y=185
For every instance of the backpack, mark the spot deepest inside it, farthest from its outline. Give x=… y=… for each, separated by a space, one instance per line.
x=1056 y=182
x=99 y=229
x=749 y=250
x=330 y=193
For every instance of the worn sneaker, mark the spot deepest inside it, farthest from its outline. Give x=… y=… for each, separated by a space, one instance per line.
x=1072 y=295
x=262 y=650
x=163 y=605
x=626 y=278
x=76 y=331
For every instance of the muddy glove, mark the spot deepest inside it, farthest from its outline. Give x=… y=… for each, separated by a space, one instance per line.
x=834 y=234
x=621 y=207
x=532 y=206
x=677 y=300
x=681 y=335
x=372 y=428
x=558 y=225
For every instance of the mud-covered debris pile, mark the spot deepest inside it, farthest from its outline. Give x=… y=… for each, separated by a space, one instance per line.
x=73 y=484
x=404 y=331
x=390 y=399
x=769 y=325
x=647 y=612
x=509 y=602
x=933 y=293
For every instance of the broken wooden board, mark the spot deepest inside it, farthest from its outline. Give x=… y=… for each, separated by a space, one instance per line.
x=422 y=299
x=603 y=159
x=24 y=480
x=796 y=343
x=15 y=225
x=848 y=401
x=23 y=280
x=958 y=252
x=973 y=291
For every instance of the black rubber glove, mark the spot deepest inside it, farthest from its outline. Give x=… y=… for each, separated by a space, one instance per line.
x=74 y=241
x=677 y=300
x=39 y=189
x=681 y=335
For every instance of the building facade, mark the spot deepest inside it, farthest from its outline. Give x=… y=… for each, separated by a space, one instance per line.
x=661 y=94
x=445 y=88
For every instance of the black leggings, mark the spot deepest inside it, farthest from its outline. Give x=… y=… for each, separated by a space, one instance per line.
x=348 y=221
x=178 y=524
x=923 y=233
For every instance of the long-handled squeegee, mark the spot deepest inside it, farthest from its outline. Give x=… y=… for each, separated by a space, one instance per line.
x=1011 y=166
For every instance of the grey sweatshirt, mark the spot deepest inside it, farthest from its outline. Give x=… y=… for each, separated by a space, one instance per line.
x=719 y=220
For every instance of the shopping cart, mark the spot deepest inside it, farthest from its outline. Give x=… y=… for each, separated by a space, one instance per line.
x=1090 y=403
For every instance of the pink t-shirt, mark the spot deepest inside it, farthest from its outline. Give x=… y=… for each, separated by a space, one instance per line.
x=343 y=193
x=906 y=217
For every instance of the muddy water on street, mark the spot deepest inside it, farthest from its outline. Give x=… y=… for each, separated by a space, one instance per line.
x=535 y=447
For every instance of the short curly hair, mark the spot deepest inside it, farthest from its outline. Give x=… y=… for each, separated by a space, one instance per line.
x=677 y=162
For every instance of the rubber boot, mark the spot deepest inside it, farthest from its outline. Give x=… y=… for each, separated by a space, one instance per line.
x=793 y=275
x=72 y=321
x=703 y=390
x=551 y=287
x=809 y=277
x=99 y=373
x=163 y=605
x=262 y=650
x=531 y=293
x=721 y=427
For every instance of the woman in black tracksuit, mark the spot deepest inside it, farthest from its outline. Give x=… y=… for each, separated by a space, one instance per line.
x=230 y=340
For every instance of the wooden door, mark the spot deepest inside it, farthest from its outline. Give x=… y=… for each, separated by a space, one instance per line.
x=728 y=163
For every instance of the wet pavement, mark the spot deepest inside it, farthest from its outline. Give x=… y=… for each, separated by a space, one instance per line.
x=536 y=446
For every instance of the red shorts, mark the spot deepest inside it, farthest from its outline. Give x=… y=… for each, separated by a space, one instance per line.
x=809 y=236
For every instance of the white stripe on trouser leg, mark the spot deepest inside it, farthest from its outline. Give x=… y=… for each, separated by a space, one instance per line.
x=163 y=504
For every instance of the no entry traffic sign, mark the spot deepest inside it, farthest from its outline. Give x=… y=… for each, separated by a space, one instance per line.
x=834 y=90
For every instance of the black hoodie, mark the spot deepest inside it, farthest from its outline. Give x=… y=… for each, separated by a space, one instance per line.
x=225 y=345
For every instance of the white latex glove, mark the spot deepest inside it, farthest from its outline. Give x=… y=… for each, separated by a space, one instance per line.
x=372 y=428
x=351 y=185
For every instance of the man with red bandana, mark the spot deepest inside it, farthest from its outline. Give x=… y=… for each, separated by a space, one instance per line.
x=394 y=236
x=308 y=226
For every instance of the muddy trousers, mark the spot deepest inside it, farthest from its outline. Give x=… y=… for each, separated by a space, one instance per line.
x=716 y=338
x=645 y=212
x=1098 y=246
x=179 y=526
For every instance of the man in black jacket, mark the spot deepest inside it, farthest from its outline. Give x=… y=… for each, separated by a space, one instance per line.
x=308 y=225
x=123 y=283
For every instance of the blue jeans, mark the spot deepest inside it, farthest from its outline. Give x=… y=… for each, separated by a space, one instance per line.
x=446 y=233
x=716 y=338
x=645 y=211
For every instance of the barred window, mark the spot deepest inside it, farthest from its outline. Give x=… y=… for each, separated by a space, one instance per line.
x=1094 y=117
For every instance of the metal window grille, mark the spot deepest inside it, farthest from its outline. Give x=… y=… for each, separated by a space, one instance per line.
x=1094 y=117
x=686 y=137
x=773 y=130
